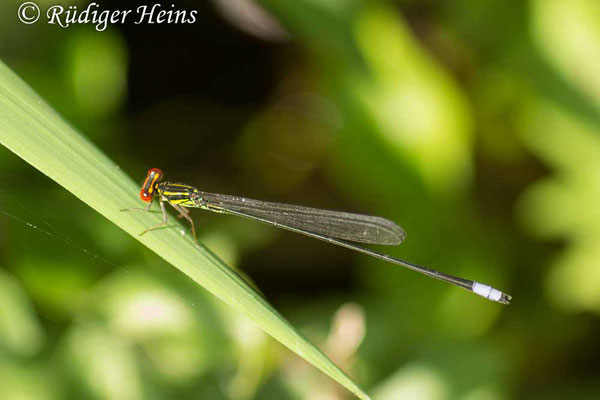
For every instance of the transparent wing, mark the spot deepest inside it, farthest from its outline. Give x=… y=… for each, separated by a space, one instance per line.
x=335 y=224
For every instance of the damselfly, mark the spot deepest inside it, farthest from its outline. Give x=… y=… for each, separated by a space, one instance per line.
x=335 y=227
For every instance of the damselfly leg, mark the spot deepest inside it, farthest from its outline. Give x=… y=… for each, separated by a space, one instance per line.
x=182 y=213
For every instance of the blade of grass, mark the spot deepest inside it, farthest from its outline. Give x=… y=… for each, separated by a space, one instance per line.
x=36 y=133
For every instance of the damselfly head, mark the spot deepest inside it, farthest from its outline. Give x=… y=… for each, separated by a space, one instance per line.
x=150 y=184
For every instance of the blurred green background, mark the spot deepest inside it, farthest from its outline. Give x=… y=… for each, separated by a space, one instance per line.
x=473 y=124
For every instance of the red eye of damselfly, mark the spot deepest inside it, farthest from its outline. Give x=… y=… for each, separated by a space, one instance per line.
x=147 y=191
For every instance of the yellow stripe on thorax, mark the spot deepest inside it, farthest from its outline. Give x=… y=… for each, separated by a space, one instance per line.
x=177 y=193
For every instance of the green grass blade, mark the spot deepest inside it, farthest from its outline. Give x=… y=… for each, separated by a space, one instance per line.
x=36 y=133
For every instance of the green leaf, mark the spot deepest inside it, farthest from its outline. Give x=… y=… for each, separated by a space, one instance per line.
x=36 y=133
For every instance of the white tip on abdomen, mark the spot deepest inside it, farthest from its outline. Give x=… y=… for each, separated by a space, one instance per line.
x=487 y=291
